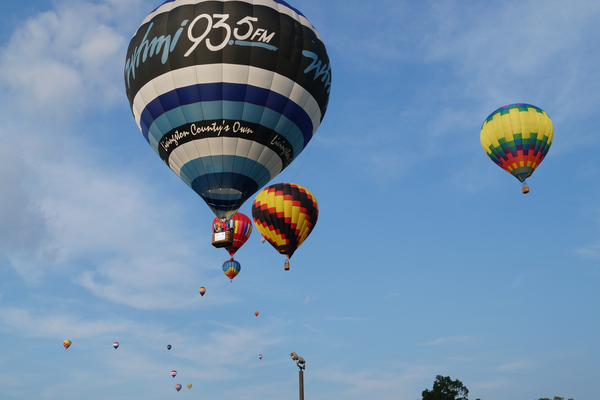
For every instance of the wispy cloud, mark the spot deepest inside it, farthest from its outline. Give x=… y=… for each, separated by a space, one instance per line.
x=450 y=340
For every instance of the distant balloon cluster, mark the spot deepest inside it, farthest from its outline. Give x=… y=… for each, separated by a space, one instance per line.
x=228 y=93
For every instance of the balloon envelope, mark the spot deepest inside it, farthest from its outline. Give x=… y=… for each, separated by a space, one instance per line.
x=115 y=345
x=242 y=228
x=168 y=347
x=231 y=268
x=189 y=385
x=517 y=138
x=256 y=313
x=202 y=290
x=173 y=373
x=178 y=387
x=227 y=93
x=260 y=356
x=285 y=214
x=67 y=344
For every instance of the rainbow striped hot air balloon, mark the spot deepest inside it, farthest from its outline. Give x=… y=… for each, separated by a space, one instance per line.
x=66 y=344
x=178 y=387
x=517 y=137
x=241 y=226
x=202 y=290
x=231 y=268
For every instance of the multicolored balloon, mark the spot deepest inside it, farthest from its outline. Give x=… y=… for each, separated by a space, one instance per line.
x=116 y=345
x=173 y=373
x=202 y=290
x=178 y=387
x=231 y=268
x=189 y=385
x=67 y=344
x=227 y=93
x=168 y=347
x=260 y=356
x=285 y=214
x=517 y=137
x=242 y=228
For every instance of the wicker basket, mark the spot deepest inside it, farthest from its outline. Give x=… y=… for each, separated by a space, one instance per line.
x=222 y=239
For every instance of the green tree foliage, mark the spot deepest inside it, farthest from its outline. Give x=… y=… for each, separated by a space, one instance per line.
x=555 y=398
x=445 y=388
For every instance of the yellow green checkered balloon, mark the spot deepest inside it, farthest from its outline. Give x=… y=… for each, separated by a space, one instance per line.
x=517 y=137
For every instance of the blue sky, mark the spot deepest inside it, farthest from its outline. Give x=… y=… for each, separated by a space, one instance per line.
x=426 y=258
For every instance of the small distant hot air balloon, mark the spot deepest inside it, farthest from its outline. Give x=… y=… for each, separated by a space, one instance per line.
x=517 y=137
x=168 y=347
x=189 y=385
x=173 y=373
x=67 y=344
x=178 y=387
x=285 y=214
x=260 y=356
x=262 y=239
x=231 y=268
x=115 y=345
x=256 y=313
x=202 y=290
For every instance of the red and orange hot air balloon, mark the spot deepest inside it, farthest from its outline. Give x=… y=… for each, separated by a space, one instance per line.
x=285 y=214
x=256 y=313
x=240 y=225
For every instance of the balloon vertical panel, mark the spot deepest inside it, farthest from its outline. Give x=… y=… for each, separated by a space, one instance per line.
x=227 y=92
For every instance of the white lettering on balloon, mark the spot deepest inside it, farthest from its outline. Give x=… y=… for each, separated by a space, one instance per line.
x=176 y=136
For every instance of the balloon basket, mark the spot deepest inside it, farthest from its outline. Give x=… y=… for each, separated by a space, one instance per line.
x=222 y=239
x=525 y=189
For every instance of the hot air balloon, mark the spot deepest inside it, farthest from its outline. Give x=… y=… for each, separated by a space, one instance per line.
x=115 y=345
x=227 y=93
x=260 y=356
x=202 y=290
x=231 y=268
x=67 y=344
x=517 y=137
x=241 y=227
x=168 y=347
x=189 y=385
x=178 y=387
x=173 y=373
x=262 y=239
x=285 y=214
x=256 y=313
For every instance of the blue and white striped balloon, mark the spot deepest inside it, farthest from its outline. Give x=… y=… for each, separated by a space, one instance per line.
x=227 y=92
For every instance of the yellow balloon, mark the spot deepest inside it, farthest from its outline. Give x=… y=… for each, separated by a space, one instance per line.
x=517 y=137
x=189 y=385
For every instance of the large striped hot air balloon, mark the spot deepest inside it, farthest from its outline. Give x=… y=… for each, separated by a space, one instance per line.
x=517 y=137
x=227 y=92
x=285 y=214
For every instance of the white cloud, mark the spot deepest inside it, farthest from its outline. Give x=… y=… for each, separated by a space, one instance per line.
x=450 y=340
